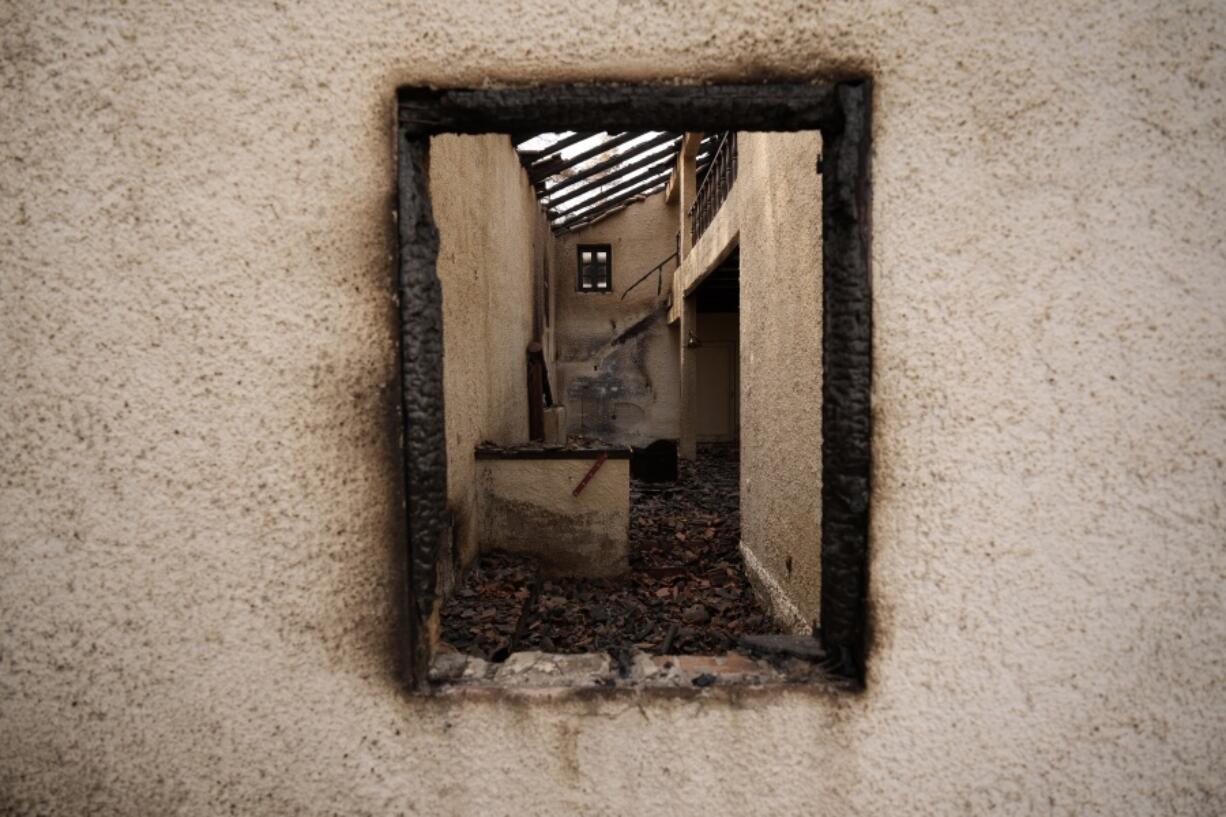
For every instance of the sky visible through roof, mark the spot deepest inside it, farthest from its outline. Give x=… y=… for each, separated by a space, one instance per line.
x=572 y=202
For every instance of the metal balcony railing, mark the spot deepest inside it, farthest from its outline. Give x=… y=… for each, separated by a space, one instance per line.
x=713 y=185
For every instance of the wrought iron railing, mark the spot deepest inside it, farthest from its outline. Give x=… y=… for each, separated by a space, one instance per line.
x=713 y=185
x=658 y=269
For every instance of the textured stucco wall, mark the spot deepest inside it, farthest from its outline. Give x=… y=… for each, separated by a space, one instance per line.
x=624 y=391
x=197 y=495
x=490 y=251
x=781 y=353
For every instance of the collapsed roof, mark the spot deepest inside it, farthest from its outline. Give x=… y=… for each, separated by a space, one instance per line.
x=582 y=177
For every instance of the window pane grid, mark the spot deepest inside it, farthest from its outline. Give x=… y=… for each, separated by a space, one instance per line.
x=595 y=263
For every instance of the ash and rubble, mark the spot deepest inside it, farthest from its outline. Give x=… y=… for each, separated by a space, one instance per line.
x=685 y=601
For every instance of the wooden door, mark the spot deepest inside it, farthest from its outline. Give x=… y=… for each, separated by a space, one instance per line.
x=716 y=418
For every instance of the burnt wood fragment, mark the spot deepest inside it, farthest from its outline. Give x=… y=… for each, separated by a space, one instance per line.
x=797 y=646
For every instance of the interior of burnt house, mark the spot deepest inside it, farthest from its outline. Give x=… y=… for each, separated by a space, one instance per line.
x=628 y=317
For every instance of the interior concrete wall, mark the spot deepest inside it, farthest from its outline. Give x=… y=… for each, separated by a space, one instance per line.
x=774 y=212
x=781 y=373
x=492 y=238
x=617 y=362
x=527 y=506
x=198 y=502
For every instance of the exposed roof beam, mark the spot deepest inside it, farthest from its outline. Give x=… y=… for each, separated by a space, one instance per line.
x=652 y=169
x=650 y=163
x=597 y=215
x=606 y=204
x=637 y=150
x=561 y=144
x=543 y=170
x=691 y=146
x=605 y=195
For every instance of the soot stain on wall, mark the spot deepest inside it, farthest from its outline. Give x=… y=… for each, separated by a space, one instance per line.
x=617 y=396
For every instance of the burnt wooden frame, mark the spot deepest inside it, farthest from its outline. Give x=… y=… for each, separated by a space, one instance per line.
x=607 y=249
x=842 y=112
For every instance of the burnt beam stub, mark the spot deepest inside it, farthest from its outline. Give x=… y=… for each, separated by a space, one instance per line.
x=846 y=379
x=842 y=112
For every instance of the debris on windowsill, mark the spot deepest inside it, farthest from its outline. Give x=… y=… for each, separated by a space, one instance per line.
x=536 y=670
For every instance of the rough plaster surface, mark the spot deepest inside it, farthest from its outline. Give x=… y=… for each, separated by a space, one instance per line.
x=781 y=352
x=491 y=239
x=197 y=503
x=773 y=212
x=527 y=507
x=621 y=390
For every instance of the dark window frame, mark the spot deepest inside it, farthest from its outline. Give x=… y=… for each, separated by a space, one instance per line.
x=842 y=112
x=607 y=249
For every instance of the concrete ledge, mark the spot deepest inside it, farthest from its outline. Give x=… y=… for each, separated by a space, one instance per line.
x=550 y=452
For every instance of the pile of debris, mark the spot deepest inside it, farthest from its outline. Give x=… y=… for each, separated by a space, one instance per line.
x=686 y=592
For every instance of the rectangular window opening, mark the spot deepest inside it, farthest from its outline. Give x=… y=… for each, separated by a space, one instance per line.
x=591 y=535
x=595 y=262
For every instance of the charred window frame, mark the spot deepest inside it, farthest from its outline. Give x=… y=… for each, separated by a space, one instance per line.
x=594 y=268
x=842 y=112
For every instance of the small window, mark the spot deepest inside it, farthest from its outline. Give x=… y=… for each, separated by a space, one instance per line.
x=595 y=268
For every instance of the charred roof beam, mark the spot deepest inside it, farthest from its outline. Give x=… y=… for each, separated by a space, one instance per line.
x=605 y=195
x=540 y=171
x=649 y=163
x=560 y=145
x=608 y=204
x=641 y=149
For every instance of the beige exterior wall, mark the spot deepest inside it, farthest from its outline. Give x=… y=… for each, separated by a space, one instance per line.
x=621 y=354
x=492 y=238
x=198 y=502
x=774 y=212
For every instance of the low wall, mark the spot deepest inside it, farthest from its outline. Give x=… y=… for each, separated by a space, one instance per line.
x=528 y=506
